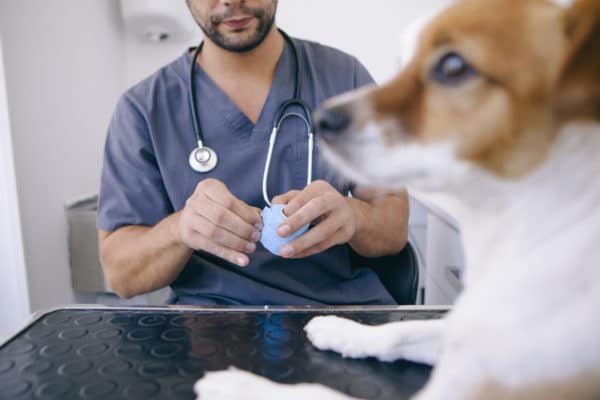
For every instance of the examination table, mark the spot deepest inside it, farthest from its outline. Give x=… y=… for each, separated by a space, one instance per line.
x=99 y=352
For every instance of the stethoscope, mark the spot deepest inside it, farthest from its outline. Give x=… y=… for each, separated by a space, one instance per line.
x=204 y=159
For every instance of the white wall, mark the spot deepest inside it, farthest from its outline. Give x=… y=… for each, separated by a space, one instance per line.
x=370 y=30
x=144 y=57
x=64 y=69
x=14 y=298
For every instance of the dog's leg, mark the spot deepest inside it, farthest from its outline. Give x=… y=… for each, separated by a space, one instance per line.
x=418 y=341
x=235 y=384
x=458 y=375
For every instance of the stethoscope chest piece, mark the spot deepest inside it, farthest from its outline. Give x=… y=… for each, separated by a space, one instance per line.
x=203 y=159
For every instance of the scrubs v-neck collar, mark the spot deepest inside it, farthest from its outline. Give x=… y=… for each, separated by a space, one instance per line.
x=282 y=88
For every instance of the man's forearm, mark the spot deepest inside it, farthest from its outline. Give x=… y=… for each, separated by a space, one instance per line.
x=382 y=224
x=139 y=259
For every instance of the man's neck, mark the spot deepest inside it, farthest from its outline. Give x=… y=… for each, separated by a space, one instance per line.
x=259 y=62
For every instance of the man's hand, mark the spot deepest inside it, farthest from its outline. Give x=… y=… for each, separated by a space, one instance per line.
x=215 y=221
x=335 y=220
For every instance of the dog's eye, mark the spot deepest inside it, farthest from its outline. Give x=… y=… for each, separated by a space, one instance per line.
x=452 y=69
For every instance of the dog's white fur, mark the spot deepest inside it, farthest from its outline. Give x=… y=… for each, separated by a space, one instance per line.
x=529 y=311
x=532 y=282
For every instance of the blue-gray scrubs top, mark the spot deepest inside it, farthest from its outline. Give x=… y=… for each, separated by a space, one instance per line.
x=146 y=177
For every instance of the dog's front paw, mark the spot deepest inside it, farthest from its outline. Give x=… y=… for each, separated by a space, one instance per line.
x=341 y=335
x=235 y=384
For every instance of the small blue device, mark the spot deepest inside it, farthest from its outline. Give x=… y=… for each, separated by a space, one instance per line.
x=272 y=217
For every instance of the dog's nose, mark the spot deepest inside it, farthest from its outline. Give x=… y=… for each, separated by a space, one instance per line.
x=332 y=120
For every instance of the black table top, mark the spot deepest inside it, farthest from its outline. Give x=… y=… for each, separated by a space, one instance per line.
x=116 y=353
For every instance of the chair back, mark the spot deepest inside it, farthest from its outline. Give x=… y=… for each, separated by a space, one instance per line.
x=399 y=273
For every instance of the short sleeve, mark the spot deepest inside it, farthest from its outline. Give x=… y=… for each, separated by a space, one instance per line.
x=132 y=191
x=362 y=77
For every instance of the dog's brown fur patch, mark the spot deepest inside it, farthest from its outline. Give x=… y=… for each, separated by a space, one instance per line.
x=505 y=119
x=404 y=97
x=579 y=89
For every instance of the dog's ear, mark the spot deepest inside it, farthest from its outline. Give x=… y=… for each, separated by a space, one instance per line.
x=579 y=81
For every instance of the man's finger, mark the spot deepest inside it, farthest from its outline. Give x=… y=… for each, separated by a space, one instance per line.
x=317 y=248
x=226 y=219
x=200 y=242
x=314 y=189
x=250 y=215
x=285 y=198
x=318 y=234
x=221 y=236
x=298 y=201
x=311 y=211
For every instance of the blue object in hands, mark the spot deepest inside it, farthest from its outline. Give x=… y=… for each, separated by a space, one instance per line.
x=272 y=217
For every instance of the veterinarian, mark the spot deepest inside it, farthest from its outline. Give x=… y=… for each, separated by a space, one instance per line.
x=180 y=204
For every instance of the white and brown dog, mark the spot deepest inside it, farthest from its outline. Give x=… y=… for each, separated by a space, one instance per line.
x=495 y=116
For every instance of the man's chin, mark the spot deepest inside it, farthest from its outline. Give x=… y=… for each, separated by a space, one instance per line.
x=239 y=42
x=238 y=39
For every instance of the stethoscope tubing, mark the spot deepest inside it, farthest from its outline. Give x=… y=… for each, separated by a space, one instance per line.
x=208 y=163
x=273 y=139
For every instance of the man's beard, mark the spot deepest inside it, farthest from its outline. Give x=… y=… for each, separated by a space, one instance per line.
x=265 y=23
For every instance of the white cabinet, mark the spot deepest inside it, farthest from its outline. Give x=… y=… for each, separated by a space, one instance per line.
x=436 y=238
x=444 y=261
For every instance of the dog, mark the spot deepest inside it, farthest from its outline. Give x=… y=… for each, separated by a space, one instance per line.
x=495 y=116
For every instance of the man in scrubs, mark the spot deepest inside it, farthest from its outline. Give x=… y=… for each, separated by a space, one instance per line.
x=161 y=223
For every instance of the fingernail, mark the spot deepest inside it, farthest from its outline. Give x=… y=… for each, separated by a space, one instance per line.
x=250 y=247
x=258 y=226
x=241 y=261
x=287 y=250
x=283 y=230
x=255 y=236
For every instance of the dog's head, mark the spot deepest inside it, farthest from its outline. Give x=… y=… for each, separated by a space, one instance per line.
x=489 y=84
